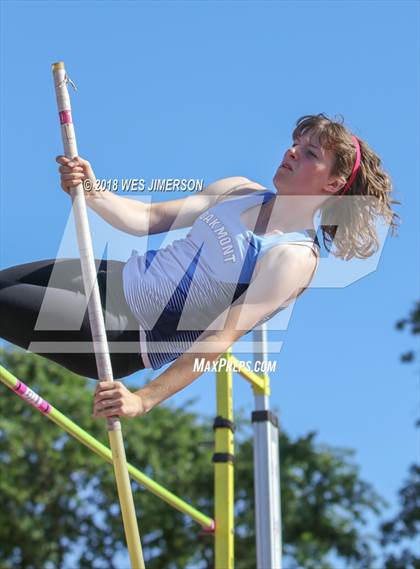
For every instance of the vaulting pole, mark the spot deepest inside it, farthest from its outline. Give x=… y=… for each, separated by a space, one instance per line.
x=100 y=343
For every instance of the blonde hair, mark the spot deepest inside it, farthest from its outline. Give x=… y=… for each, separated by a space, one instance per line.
x=355 y=218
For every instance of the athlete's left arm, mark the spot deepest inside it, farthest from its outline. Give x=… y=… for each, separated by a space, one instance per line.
x=282 y=273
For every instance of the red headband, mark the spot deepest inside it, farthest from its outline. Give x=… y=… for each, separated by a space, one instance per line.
x=356 y=165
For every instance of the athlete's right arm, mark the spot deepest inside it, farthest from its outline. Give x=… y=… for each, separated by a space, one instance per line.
x=140 y=218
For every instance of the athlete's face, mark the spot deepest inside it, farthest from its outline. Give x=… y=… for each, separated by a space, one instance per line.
x=305 y=169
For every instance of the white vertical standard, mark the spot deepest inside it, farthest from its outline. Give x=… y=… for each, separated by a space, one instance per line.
x=266 y=471
x=97 y=324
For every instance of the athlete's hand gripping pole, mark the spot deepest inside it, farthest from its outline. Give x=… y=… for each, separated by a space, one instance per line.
x=103 y=360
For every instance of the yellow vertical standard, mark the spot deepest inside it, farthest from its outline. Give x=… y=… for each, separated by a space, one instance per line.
x=223 y=470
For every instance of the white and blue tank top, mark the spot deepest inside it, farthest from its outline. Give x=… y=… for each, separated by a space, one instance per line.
x=176 y=292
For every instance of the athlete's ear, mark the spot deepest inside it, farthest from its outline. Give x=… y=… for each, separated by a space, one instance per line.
x=335 y=184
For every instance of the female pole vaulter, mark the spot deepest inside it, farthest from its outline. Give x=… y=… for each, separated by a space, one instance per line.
x=249 y=253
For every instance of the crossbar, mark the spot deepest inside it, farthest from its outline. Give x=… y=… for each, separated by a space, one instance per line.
x=32 y=398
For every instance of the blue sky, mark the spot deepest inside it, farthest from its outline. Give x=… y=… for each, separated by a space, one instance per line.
x=213 y=89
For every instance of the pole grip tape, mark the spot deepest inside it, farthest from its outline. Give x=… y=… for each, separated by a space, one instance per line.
x=261 y=416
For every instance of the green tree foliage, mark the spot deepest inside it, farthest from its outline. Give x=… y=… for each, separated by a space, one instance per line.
x=59 y=509
x=413 y=323
x=405 y=526
x=58 y=500
x=404 y=529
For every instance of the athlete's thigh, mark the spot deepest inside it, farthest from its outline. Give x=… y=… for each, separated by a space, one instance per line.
x=39 y=272
x=31 y=308
x=63 y=273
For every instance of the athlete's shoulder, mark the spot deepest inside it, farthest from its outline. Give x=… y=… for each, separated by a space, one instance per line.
x=232 y=186
x=288 y=257
x=238 y=186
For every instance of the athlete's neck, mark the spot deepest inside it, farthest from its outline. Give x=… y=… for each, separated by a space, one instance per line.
x=289 y=213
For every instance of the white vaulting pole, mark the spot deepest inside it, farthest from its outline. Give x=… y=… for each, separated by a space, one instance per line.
x=97 y=324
